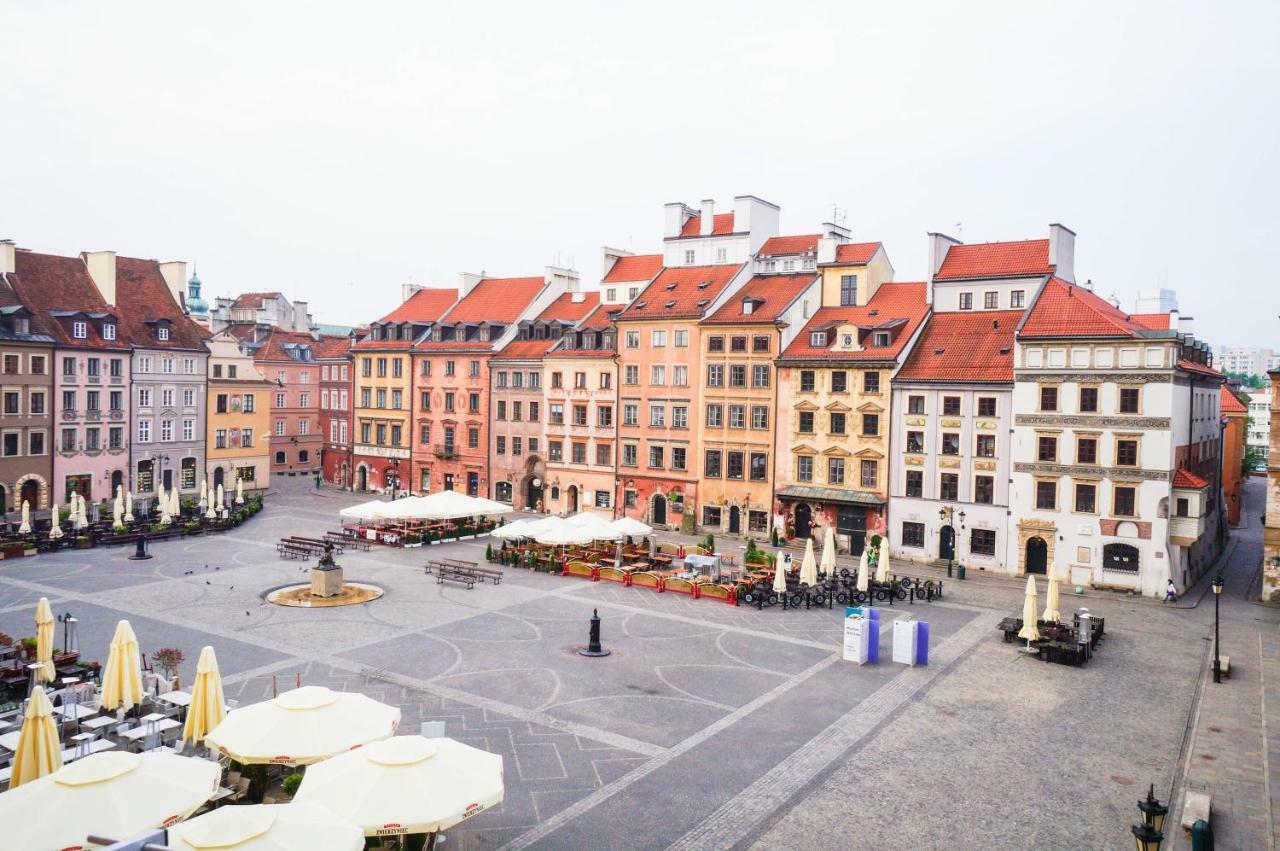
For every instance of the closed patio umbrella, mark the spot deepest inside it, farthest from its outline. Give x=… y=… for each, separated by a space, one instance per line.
x=882 y=565
x=163 y=502
x=239 y=491
x=207 y=707
x=864 y=570
x=406 y=784
x=44 y=640
x=25 y=528
x=1029 y=630
x=55 y=531
x=1051 y=613
x=128 y=506
x=82 y=512
x=222 y=498
x=809 y=567
x=117 y=512
x=39 y=752
x=113 y=793
x=122 y=676
x=204 y=493
x=175 y=504
x=829 y=552
x=267 y=827
x=779 y=577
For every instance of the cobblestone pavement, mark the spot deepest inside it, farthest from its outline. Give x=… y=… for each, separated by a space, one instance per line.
x=710 y=726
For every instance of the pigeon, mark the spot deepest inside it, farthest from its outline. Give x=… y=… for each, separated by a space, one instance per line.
x=207 y=582
x=246 y=613
x=232 y=588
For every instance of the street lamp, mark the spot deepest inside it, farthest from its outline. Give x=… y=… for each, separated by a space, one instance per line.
x=395 y=476
x=1217 y=660
x=948 y=513
x=1149 y=835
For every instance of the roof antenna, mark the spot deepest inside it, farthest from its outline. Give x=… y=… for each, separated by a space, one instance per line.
x=960 y=231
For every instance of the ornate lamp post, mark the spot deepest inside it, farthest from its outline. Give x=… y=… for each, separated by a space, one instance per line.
x=394 y=467
x=948 y=514
x=1148 y=835
x=1217 y=660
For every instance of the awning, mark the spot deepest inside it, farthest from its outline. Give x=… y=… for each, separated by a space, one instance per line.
x=809 y=493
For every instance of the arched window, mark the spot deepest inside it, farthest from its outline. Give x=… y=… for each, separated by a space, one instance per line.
x=1120 y=557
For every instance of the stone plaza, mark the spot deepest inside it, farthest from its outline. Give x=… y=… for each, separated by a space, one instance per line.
x=713 y=726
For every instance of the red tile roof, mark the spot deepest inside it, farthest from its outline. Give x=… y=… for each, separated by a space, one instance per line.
x=1067 y=310
x=776 y=293
x=996 y=260
x=679 y=292
x=964 y=347
x=273 y=347
x=254 y=300
x=331 y=346
x=598 y=319
x=48 y=282
x=566 y=309
x=639 y=267
x=899 y=307
x=1152 y=321
x=525 y=349
x=426 y=305
x=1192 y=366
x=856 y=252
x=1229 y=403
x=790 y=244
x=143 y=297
x=1184 y=478
x=721 y=225
x=500 y=300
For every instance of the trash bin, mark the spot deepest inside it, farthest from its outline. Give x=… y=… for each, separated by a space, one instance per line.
x=960 y=571
x=1201 y=836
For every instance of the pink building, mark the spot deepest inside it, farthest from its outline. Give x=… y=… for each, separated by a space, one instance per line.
x=289 y=360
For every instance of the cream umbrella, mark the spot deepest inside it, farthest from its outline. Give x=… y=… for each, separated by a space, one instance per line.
x=25 y=528
x=1029 y=629
x=512 y=531
x=829 y=553
x=113 y=793
x=779 y=577
x=630 y=526
x=222 y=498
x=39 y=752
x=1051 y=613
x=44 y=640
x=239 y=491
x=117 y=512
x=882 y=565
x=122 y=676
x=406 y=784
x=809 y=567
x=73 y=508
x=303 y=726
x=204 y=493
x=82 y=513
x=207 y=708
x=864 y=570
x=212 y=511
x=128 y=506
x=266 y=827
x=175 y=503
x=163 y=502
x=55 y=531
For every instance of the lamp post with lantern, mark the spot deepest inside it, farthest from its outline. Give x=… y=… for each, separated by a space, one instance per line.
x=1149 y=834
x=947 y=514
x=1217 y=660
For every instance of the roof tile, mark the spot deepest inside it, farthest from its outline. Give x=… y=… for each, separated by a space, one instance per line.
x=682 y=292
x=1067 y=310
x=898 y=305
x=721 y=225
x=638 y=267
x=426 y=305
x=964 y=347
x=1229 y=403
x=143 y=297
x=773 y=292
x=49 y=282
x=856 y=252
x=996 y=260
x=500 y=300
x=1184 y=478
x=806 y=243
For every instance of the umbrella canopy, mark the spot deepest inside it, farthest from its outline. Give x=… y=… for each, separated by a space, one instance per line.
x=113 y=793
x=221 y=501
x=829 y=552
x=44 y=640
x=128 y=506
x=451 y=505
x=55 y=531
x=630 y=526
x=512 y=531
x=491 y=507
x=239 y=491
x=1051 y=613
x=1029 y=630
x=601 y=529
x=117 y=511
x=409 y=508
x=122 y=676
x=779 y=577
x=267 y=827
x=207 y=707
x=370 y=510
x=560 y=532
x=163 y=502
x=864 y=570
x=882 y=566
x=39 y=752
x=25 y=528
x=809 y=567
x=406 y=784
x=303 y=726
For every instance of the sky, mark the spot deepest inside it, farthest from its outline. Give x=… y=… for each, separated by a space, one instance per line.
x=334 y=151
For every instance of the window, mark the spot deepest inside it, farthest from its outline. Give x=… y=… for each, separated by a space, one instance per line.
x=630 y=455
x=738 y=375
x=915 y=404
x=79 y=330
x=715 y=416
x=760 y=375
x=871 y=382
x=473 y=438
x=759 y=416
x=1124 y=501
x=950 y=443
x=688 y=257
x=806 y=422
x=837 y=423
x=1047 y=448
x=1046 y=495
x=984 y=490
x=679 y=416
x=580 y=381
x=839 y=381
x=12 y=402
x=36 y=402
x=715 y=375
x=657 y=375
x=1086 y=498
x=606 y=380
x=144 y=398
x=680 y=338
x=915 y=442
x=604 y=453
x=1048 y=398
x=990 y=300
x=986 y=406
x=631 y=374
x=109 y=331
x=1018 y=298
x=913 y=535
x=578 y=452
x=679 y=376
x=737 y=416
x=473 y=403
x=1086 y=450
x=450 y=369
x=657 y=416
x=951 y=406
x=280 y=428
x=1183 y=506
x=188 y=429
x=604 y=416
x=915 y=483
x=870 y=425
x=144 y=431
x=630 y=414
x=949 y=487
x=1128 y=400
x=678 y=456
x=68 y=366
x=579 y=415
x=501 y=380
x=556 y=413
x=37 y=364
x=656 y=454
x=870 y=474
x=11 y=443
x=658 y=338
x=734 y=465
x=1088 y=400
x=848 y=290
x=806 y=380
x=760 y=344
x=804 y=468
x=35 y=443
x=986 y=446
x=1126 y=453
x=982 y=542
x=632 y=339
x=474 y=369
x=162 y=333
x=280 y=399
x=737 y=344
x=966 y=301
x=715 y=344
x=555 y=450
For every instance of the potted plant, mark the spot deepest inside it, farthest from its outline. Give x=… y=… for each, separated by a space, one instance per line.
x=28 y=647
x=167 y=659
x=488 y=552
x=289 y=785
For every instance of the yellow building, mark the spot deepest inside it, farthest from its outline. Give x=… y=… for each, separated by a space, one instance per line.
x=852 y=272
x=239 y=406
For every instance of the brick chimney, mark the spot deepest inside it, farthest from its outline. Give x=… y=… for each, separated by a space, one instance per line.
x=174 y=273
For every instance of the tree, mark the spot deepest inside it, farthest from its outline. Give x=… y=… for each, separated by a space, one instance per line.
x=1257 y=382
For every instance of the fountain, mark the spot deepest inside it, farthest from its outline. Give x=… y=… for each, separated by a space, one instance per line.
x=326 y=589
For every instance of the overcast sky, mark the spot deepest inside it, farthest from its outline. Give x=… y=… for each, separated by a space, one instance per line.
x=335 y=151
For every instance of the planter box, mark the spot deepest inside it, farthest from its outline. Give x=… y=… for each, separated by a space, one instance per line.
x=411 y=546
x=467 y=538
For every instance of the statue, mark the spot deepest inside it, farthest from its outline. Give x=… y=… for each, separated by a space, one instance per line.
x=326 y=576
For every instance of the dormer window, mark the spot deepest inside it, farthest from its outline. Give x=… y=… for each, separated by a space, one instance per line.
x=80 y=330
x=748 y=306
x=818 y=339
x=162 y=333
x=671 y=287
x=22 y=325
x=848 y=341
x=881 y=339
x=109 y=331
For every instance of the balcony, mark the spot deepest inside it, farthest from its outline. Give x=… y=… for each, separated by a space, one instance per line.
x=445 y=451
x=1185 y=531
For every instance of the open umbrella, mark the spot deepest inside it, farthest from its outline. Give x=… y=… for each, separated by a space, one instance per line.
x=128 y=506
x=864 y=569
x=303 y=726
x=55 y=531
x=113 y=793
x=38 y=752
x=25 y=528
x=267 y=827
x=239 y=491
x=370 y=510
x=406 y=784
x=829 y=553
x=809 y=567
x=122 y=676
x=630 y=526
x=1051 y=613
x=44 y=640
x=1029 y=629
x=512 y=531
x=779 y=577
x=207 y=707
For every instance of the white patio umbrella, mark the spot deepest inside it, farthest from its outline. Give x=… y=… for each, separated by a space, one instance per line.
x=371 y=510
x=630 y=526
x=212 y=511
x=491 y=507
x=113 y=793
x=303 y=726
x=513 y=531
x=1030 y=631
x=882 y=565
x=204 y=493
x=82 y=519
x=55 y=531
x=163 y=501
x=128 y=506
x=239 y=491
x=222 y=498
x=864 y=570
x=809 y=567
x=267 y=827
x=829 y=553
x=565 y=534
x=406 y=784
x=601 y=529
x=1051 y=613
x=779 y=578
x=175 y=504
x=117 y=511
x=73 y=508
x=25 y=528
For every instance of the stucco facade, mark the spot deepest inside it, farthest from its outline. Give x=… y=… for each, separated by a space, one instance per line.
x=26 y=399
x=335 y=410
x=288 y=362
x=237 y=435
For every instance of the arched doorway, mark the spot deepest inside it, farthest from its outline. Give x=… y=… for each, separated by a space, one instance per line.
x=803 y=520
x=1037 y=555
x=571 y=498
x=117 y=481
x=217 y=476
x=735 y=520
x=659 y=508
x=30 y=493
x=533 y=493
x=362 y=478
x=947 y=542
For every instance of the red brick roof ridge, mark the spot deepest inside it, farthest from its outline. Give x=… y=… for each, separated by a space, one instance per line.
x=892 y=301
x=964 y=347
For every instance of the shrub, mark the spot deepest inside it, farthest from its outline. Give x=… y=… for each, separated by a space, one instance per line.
x=488 y=552
x=291 y=783
x=168 y=659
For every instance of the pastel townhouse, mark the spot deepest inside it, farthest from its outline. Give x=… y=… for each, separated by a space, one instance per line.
x=383 y=390
x=90 y=369
x=1235 y=416
x=237 y=445
x=450 y=448
x=26 y=392
x=333 y=353
x=517 y=431
x=288 y=360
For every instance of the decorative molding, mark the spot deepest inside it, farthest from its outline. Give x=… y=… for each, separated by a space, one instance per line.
x=1092 y=421
x=951 y=423
x=917 y=421
x=984 y=465
x=949 y=463
x=1089 y=472
x=915 y=460
x=1036 y=375
x=1037 y=524
x=987 y=425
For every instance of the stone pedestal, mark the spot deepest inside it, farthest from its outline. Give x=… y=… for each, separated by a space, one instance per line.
x=326 y=581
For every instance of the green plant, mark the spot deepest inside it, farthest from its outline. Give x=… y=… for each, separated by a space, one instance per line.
x=193 y=525
x=709 y=543
x=488 y=552
x=157 y=527
x=291 y=783
x=168 y=658
x=29 y=643
x=119 y=528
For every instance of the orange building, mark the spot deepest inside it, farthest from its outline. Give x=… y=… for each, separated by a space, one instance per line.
x=1235 y=414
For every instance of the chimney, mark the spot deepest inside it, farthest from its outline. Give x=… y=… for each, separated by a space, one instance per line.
x=1062 y=251
x=674 y=215
x=102 y=269
x=1186 y=325
x=939 y=245
x=577 y=297
x=8 y=257
x=408 y=291
x=757 y=217
x=566 y=277
x=174 y=273
x=708 y=220
x=608 y=257
x=1175 y=321
x=467 y=282
x=827 y=249
x=840 y=233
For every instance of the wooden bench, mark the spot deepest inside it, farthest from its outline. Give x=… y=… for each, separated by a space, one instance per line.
x=1195 y=806
x=455 y=574
x=287 y=549
x=339 y=539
